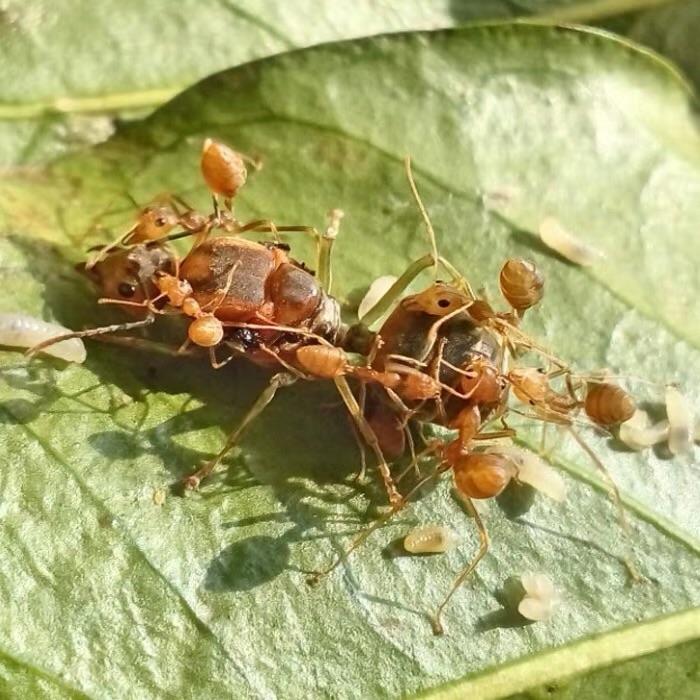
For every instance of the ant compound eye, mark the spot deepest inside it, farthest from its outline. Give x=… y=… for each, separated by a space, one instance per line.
x=443 y=303
x=531 y=402
x=160 y=221
x=541 y=370
x=126 y=290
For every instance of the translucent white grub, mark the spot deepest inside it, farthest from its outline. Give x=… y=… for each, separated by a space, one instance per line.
x=556 y=237
x=23 y=331
x=534 y=471
x=376 y=291
x=541 y=598
x=638 y=432
x=680 y=420
x=430 y=539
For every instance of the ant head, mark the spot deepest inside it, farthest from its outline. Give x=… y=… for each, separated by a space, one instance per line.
x=439 y=299
x=153 y=222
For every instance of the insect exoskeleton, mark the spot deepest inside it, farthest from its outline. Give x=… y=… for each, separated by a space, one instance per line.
x=322 y=361
x=430 y=539
x=467 y=422
x=530 y=384
x=249 y=281
x=521 y=283
x=438 y=300
x=178 y=290
x=129 y=275
x=482 y=382
x=608 y=404
x=153 y=223
x=223 y=169
x=412 y=384
x=206 y=331
x=482 y=474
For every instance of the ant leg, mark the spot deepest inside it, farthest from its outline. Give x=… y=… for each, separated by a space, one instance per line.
x=437 y=259
x=134 y=343
x=104 y=250
x=89 y=333
x=360 y=476
x=215 y=303
x=358 y=437
x=396 y=290
x=368 y=434
x=176 y=201
x=617 y=500
x=483 y=548
x=325 y=247
x=147 y=304
x=217 y=211
x=495 y=434
x=218 y=364
x=277 y=381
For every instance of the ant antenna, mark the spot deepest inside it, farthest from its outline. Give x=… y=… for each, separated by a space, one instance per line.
x=423 y=211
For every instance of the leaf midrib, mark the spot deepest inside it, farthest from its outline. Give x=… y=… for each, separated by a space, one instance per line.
x=42 y=673
x=621 y=644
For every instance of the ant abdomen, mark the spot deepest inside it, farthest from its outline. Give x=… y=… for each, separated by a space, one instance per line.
x=521 y=283
x=482 y=475
x=223 y=169
x=608 y=404
x=153 y=223
x=322 y=361
x=206 y=331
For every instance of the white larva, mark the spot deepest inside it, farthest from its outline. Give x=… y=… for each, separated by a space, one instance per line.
x=429 y=539
x=541 y=599
x=533 y=471
x=638 y=432
x=376 y=291
x=24 y=331
x=680 y=420
x=556 y=237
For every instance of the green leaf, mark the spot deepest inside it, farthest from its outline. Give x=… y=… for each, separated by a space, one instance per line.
x=671 y=30
x=204 y=596
x=676 y=672
x=58 y=94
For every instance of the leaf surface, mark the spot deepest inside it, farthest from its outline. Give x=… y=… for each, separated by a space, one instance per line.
x=204 y=596
x=59 y=94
